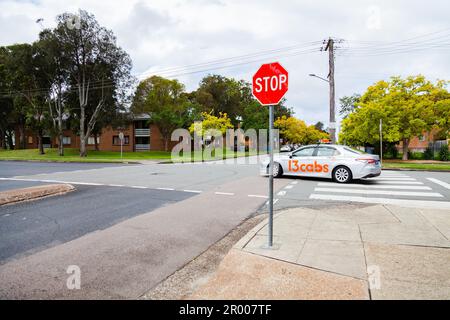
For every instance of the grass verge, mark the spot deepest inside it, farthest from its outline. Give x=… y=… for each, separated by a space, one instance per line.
x=440 y=166
x=72 y=155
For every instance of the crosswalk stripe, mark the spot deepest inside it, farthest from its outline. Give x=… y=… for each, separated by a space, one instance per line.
x=382 y=192
x=400 y=182
x=401 y=202
x=372 y=186
x=390 y=179
x=389 y=176
x=439 y=182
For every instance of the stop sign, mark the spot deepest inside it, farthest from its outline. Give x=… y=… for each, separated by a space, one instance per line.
x=270 y=83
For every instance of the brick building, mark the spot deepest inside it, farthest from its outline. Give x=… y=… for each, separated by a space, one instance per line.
x=138 y=136
x=420 y=143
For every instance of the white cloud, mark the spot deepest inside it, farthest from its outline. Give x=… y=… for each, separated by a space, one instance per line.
x=161 y=34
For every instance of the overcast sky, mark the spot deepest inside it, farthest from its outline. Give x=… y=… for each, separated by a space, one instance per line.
x=161 y=35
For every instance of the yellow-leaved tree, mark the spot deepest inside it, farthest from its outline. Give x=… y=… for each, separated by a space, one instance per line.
x=294 y=130
x=407 y=107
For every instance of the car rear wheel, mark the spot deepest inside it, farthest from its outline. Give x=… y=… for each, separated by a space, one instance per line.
x=342 y=175
x=277 y=170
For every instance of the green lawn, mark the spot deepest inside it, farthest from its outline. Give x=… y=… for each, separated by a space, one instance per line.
x=416 y=166
x=72 y=155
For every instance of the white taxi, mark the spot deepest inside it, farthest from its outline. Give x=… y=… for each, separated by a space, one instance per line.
x=340 y=163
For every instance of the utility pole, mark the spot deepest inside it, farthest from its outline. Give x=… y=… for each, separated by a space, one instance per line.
x=381 y=141
x=330 y=49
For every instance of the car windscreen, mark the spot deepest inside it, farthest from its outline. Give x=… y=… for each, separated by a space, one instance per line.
x=355 y=151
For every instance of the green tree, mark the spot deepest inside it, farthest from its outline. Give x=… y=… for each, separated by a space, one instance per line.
x=294 y=130
x=256 y=116
x=406 y=106
x=209 y=121
x=165 y=102
x=27 y=79
x=6 y=104
x=55 y=69
x=95 y=62
x=348 y=104
x=218 y=94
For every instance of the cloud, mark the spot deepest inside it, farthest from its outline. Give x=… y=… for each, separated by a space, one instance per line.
x=161 y=34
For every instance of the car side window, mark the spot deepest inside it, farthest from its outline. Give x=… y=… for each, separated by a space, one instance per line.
x=326 y=152
x=305 y=152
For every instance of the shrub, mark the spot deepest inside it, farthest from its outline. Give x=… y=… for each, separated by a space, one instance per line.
x=443 y=153
x=391 y=152
x=428 y=154
x=415 y=155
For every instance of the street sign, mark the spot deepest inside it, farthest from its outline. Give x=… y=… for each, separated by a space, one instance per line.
x=270 y=84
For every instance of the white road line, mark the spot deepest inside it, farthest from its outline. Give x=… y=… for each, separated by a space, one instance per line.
x=289 y=187
x=383 y=192
x=257 y=196
x=116 y=185
x=139 y=187
x=390 y=176
x=84 y=183
x=281 y=193
x=225 y=193
x=192 y=191
x=439 y=182
x=400 y=202
x=371 y=186
x=294 y=182
x=390 y=179
x=399 y=182
x=167 y=189
x=274 y=201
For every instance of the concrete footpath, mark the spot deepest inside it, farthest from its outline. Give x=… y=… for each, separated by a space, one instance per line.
x=345 y=252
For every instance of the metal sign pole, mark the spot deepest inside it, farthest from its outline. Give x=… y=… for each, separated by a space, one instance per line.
x=270 y=243
x=121 y=137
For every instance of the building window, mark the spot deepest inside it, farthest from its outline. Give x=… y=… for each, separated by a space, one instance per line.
x=30 y=140
x=66 y=140
x=116 y=140
x=422 y=137
x=91 y=140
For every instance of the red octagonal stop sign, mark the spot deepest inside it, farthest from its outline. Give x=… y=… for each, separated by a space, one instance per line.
x=270 y=83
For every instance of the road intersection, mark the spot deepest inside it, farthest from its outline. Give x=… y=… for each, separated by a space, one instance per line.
x=124 y=218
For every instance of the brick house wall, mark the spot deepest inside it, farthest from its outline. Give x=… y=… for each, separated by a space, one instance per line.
x=106 y=140
x=419 y=144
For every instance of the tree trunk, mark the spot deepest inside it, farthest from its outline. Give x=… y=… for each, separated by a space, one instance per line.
x=2 y=139
x=83 y=152
x=405 y=148
x=61 y=144
x=21 y=136
x=166 y=143
x=40 y=145
x=95 y=141
x=10 y=140
x=60 y=128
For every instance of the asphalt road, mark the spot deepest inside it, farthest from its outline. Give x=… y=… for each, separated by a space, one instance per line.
x=32 y=226
x=18 y=168
x=128 y=227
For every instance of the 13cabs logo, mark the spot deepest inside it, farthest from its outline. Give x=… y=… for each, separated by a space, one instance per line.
x=295 y=166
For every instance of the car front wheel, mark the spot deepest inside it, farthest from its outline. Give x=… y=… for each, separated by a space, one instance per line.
x=277 y=170
x=342 y=175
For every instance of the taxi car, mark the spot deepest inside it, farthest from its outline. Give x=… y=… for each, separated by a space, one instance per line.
x=340 y=163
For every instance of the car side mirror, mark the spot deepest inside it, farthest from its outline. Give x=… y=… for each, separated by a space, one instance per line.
x=290 y=155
